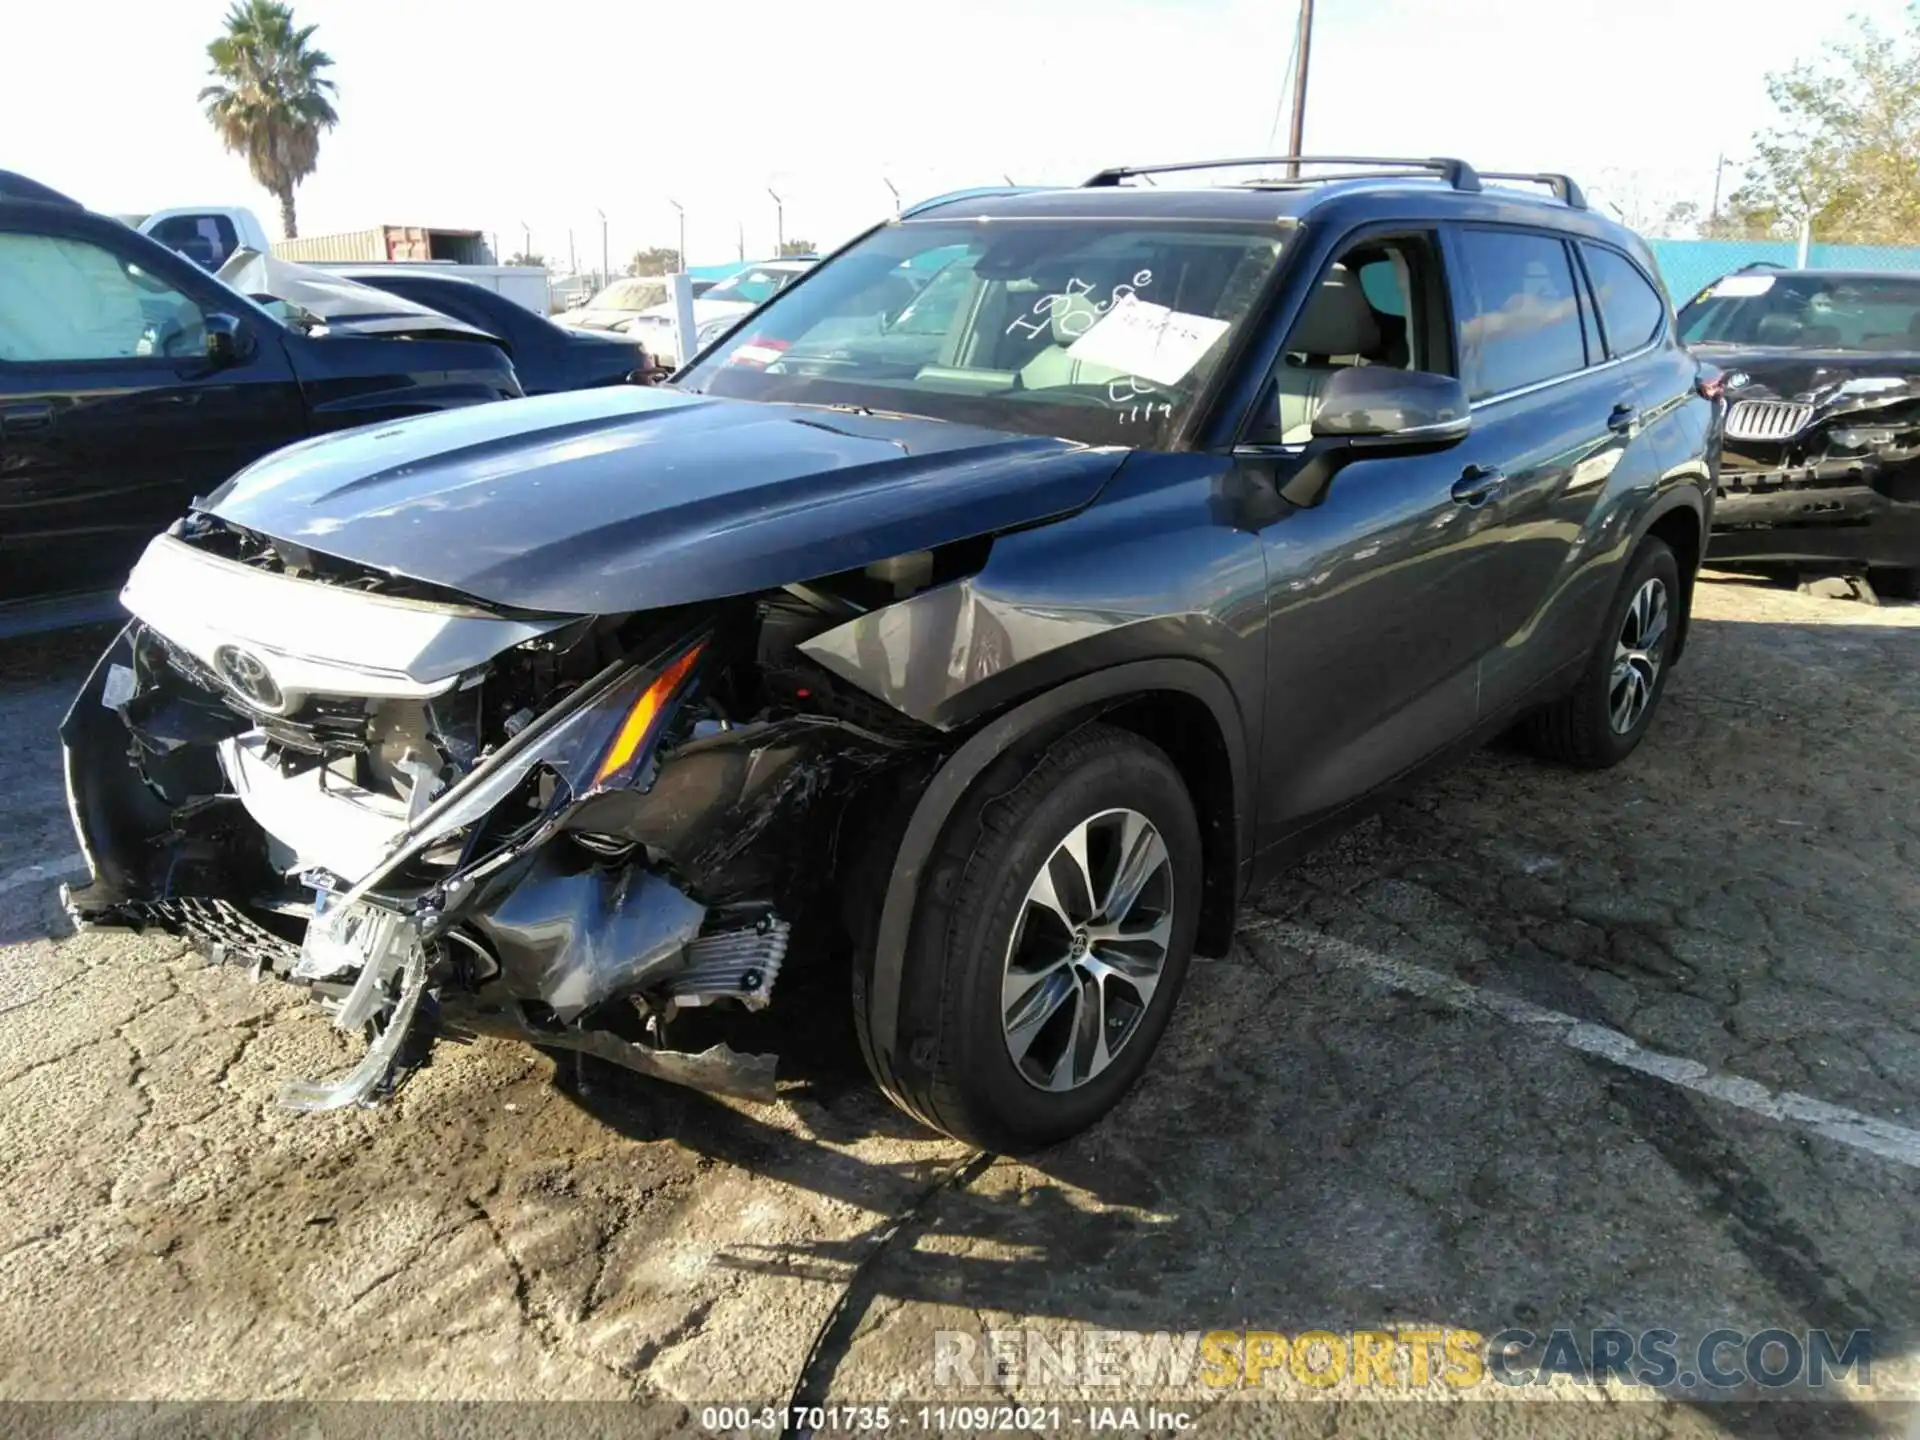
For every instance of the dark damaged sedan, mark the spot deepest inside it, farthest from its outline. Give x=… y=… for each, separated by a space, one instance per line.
x=993 y=656
x=1821 y=463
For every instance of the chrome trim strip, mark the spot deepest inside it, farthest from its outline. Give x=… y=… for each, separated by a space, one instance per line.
x=314 y=638
x=1584 y=370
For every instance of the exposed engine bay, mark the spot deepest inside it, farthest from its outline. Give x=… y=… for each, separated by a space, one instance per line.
x=593 y=833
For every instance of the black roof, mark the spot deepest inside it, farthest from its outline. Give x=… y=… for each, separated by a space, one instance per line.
x=18 y=187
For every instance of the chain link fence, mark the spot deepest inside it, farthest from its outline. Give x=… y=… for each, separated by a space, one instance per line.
x=1689 y=266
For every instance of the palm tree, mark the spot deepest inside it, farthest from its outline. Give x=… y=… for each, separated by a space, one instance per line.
x=271 y=103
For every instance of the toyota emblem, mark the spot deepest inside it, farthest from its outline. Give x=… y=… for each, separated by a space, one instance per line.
x=247 y=673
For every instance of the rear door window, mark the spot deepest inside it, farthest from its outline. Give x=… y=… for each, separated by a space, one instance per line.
x=1520 y=311
x=207 y=240
x=1630 y=308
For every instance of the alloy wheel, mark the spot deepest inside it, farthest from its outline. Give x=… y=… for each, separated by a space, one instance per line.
x=1637 y=656
x=1088 y=950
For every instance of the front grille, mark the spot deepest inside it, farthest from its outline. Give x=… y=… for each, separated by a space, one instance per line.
x=1767 y=420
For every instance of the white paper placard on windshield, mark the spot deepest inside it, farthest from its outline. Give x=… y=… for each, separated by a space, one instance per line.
x=1149 y=340
x=1734 y=287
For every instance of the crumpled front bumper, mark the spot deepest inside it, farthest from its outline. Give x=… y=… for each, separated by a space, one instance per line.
x=1814 y=515
x=531 y=938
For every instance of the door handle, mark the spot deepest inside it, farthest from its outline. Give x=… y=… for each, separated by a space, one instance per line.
x=1477 y=486
x=1624 y=419
x=29 y=415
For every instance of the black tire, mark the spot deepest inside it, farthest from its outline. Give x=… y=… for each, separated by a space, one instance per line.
x=953 y=1068
x=1895 y=584
x=1578 y=729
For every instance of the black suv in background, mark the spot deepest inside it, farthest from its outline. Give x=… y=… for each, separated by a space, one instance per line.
x=131 y=381
x=1820 y=469
x=994 y=651
x=547 y=357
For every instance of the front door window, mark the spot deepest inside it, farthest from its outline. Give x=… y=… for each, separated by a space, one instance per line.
x=64 y=300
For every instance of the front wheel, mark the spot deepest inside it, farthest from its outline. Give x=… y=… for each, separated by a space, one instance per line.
x=1052 y=938
x=1599 y=722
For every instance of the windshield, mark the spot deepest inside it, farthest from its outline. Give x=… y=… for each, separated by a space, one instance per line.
x=753 y=286
x=1807 y=312
x=1101 y=331
x=630 y=295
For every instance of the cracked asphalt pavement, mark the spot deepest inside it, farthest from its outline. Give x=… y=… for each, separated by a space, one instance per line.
x=1405 y=1097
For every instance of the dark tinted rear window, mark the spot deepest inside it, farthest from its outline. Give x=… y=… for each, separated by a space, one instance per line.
x=207 y=240
x=1630 y=307
x=1522 y=314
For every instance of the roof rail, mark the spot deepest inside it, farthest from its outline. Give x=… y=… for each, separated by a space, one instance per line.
x=1563 y=187
x=1457 y=173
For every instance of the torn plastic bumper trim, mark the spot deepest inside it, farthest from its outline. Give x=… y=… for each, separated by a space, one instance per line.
x=404 y=956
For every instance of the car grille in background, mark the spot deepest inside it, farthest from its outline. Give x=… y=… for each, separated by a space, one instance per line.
x=1767 y=420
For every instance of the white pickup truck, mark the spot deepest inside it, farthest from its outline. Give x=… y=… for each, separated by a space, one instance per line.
x=209 y=235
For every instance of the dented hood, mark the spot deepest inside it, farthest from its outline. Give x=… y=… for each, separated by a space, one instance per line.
x=629 y=498
x=1829 y=380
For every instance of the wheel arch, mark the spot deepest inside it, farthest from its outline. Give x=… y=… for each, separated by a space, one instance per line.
x=1181 y=705
x=1680 y=526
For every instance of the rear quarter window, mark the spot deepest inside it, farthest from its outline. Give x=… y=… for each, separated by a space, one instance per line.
x=1630 y=308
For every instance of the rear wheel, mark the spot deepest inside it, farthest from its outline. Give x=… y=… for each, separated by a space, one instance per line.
x=1052 y=938
x=1606 y=714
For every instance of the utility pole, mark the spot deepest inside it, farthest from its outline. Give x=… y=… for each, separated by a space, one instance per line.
x=740 y=239
x=606 y=270
x=896 y=193
x=526 y=247
x=1719 y=168
x=1296 y=135
x=779 y=223
x=681 y=209
x=573 y=259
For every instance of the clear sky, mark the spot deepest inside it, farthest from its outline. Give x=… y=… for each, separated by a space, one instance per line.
x=491 y=116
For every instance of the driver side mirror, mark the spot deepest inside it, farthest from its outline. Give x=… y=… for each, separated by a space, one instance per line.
x=225 y=343
x=1370 y=409
x=1382 y=409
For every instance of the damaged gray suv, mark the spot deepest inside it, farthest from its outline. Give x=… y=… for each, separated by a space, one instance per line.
x=983 y=615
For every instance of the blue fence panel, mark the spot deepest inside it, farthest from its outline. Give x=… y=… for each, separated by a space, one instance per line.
x=1689 y=266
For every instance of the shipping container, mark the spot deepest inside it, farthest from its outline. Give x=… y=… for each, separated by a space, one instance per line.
x=390 y=242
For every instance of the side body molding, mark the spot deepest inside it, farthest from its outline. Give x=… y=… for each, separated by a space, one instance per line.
x=1058 y=709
